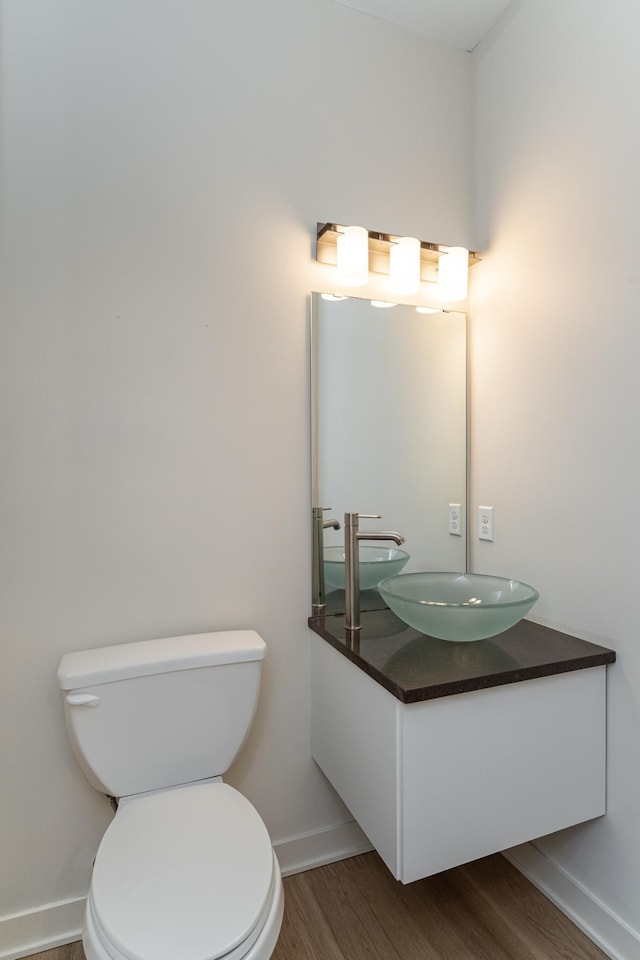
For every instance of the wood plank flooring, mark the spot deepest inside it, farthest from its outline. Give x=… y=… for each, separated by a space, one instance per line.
x=355 y=910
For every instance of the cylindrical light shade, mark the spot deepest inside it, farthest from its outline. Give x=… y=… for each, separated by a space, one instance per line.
x=353 y=256
x=453 y=273
x=404 y=265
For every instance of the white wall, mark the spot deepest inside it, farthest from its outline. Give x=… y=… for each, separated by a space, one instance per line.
x=164 y=165
x=556 y=343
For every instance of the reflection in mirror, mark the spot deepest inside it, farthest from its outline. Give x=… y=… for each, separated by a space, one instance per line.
x=389 y=412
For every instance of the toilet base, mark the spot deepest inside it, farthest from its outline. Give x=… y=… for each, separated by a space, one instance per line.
x=260 y=950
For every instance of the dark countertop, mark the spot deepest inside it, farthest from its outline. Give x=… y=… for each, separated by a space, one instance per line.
x=414 y=667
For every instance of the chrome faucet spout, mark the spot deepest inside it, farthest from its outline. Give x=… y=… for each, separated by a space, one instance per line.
x=334 y=524
x=352 y=536
x=381 y=535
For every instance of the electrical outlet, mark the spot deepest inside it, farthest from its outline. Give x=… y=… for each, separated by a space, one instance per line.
x=485 y=523
x=455 y=519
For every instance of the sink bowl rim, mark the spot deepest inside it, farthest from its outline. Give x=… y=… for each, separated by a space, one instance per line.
x=531 y=596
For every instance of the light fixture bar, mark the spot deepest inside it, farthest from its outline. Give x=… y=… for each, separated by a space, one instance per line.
x=379 y=251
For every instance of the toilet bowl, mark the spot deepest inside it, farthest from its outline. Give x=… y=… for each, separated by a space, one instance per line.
x=185 y=871
x=186 y=874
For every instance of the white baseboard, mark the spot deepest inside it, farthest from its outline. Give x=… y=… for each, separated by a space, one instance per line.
x=55 y=924
x=22 y=934
x=615 y=937
x=327 y=845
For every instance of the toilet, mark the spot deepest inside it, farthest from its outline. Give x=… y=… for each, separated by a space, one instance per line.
x=186 y=870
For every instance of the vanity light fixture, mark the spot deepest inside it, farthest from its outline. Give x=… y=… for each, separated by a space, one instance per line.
x=453 y=274
x=357 y=252
x=382 y=304
x=333 y=296
x=352 y=256
x=428 y=310
x=404 y=265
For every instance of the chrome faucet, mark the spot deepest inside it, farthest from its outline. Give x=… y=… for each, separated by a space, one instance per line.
x=352 y=536
x=317 y=570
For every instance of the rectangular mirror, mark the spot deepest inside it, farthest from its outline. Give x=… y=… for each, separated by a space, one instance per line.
x=389 y=423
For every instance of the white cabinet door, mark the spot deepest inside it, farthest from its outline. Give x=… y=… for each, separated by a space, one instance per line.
x=486 y=770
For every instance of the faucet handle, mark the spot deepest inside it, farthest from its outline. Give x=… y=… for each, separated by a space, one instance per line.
x=352 y=520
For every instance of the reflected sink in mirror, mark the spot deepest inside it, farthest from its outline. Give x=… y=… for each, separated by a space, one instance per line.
x=457 y=606
x=376 y=563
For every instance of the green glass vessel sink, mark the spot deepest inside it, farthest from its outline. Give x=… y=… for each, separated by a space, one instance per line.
x=376 y=563
x=457 y=606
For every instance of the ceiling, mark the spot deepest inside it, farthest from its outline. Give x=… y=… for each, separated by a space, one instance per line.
x=460 y=23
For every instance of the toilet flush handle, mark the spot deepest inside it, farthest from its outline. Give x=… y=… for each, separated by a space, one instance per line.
x=82 y=699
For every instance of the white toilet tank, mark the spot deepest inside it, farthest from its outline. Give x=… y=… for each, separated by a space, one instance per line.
x=158 y=713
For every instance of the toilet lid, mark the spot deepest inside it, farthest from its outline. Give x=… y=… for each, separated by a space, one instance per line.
x=183 y=873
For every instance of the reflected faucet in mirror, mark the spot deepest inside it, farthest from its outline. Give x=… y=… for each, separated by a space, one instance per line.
x=317 y=584
x=352 y=537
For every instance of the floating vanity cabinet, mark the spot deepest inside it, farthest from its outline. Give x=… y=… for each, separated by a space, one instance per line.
x=447 y=752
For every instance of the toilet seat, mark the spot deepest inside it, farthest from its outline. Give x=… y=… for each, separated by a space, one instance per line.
x=186 y=873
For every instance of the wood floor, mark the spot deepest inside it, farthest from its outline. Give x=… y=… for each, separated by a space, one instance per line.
x=355 y=910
